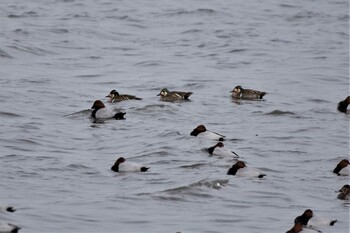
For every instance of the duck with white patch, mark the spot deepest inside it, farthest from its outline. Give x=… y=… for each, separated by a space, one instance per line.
x=240 y=169
x=220 y=150
x=342 y=168
x=8 y=228
x=308 y=219
x=100 y=112
x=121 y=165
x=201 y=131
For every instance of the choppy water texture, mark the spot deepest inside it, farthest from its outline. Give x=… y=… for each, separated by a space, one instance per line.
x=58 y=56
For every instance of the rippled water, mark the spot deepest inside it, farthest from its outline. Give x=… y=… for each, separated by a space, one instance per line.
x=58 y=56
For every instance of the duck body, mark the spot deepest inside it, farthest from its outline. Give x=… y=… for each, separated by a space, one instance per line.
x=100 y=112
x=342 y=105
x=122 y=166
x=114 y=96
x=308 y=219
x=240 y=93
x=240 y=169
x=166 y=95
x=201 y=131
x=220 y=150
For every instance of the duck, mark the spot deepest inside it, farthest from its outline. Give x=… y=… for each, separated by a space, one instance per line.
x=114 y=96
x=342 y=105
x=240 y=169
x=344 y=192
x=201 y=131
x=167 y=95
x=220 y=150
x=6 y=208
x=8 y=228
x=101 y=112
x=122 y=166
x=240 y=93
x=342 y=168
x=305 y=220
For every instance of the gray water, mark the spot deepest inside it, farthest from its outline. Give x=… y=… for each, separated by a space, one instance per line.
x=58 y=56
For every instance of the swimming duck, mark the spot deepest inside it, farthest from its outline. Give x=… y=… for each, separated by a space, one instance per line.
x=122 y=166
x=304 y=218
x=101 y=112
x=239 y=93
x=6 y=208
x=344 y=192
x=220 y=150
x=114 y=96
x=8 y=228
x=240 y=169
x=307 y=215
x=167 y=95
x=201 y=131
x=342 y=168
x=342 y=105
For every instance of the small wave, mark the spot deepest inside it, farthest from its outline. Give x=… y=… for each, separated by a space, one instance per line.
x=82 y=113
x=88 y=75
x=4 y=54
x=196 y=165
x=60 y=30
x=32 y=50
x=149 y=63
x=280 y=113
x=9 y=114
x=214 y=184
x=200 y=11
x=288 y=5
x=237 y=50
x=319 y=101
x=26 y=14
x=191 y=31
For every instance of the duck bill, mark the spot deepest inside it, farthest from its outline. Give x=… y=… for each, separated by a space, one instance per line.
x=158 y=94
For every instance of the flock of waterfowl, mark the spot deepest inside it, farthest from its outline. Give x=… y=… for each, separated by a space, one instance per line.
x=239 y=168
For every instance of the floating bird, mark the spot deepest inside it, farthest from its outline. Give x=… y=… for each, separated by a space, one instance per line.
x=122 y=166
x=307 y=215
x=240 y=169
x=100 y=112
x=342 y=168
x=167 y=95
x=114 y=96
x=240 y=93
x=220 y=150
x=344 y=192
x=201 y=131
